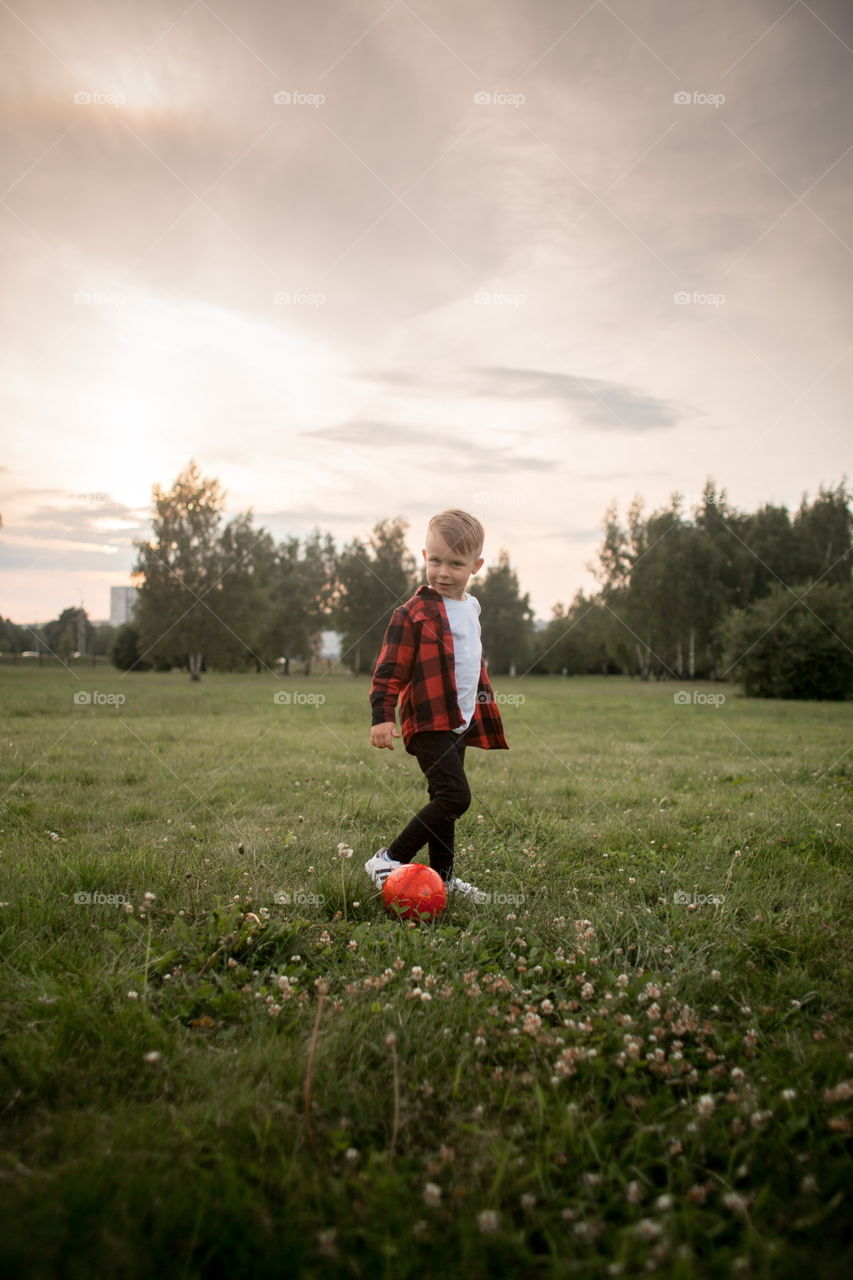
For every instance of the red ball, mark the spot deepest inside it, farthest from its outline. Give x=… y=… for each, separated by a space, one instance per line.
x=414 y=890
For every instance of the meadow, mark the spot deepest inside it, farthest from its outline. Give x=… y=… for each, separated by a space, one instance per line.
x=221 y=1056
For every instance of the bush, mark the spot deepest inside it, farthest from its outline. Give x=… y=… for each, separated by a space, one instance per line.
x=125 y=654
x=796 y=642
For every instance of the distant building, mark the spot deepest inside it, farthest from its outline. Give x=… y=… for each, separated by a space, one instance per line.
x=331 y=645
x=122 y=604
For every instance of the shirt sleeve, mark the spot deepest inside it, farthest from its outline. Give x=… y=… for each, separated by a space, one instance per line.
x=394 y=666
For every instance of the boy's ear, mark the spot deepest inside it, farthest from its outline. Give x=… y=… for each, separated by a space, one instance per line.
x=478 y=564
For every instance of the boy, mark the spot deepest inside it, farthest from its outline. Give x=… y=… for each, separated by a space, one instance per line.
x=431 y=658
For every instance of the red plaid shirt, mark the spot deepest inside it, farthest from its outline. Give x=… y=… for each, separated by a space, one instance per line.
x=416 y=664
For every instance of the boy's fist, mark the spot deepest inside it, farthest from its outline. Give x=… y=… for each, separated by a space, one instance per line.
x=381 y=735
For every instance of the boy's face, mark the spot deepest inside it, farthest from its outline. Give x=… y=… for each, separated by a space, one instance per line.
x=448 y=571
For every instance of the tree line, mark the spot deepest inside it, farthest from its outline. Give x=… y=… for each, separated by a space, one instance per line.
x=764 y=598
x=721 y=594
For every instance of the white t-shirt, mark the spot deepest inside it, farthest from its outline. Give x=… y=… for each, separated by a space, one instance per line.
x=464 y=618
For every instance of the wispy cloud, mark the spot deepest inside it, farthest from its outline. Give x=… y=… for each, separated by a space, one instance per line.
x=435 y=446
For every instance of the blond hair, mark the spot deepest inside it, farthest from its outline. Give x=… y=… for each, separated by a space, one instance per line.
x=461 y=531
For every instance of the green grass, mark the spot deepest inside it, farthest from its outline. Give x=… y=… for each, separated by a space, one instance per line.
x=520 y=1121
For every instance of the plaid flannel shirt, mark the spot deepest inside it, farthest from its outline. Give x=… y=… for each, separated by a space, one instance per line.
x=416 y=664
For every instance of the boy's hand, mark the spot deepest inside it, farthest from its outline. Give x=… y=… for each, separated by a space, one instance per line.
x=381 y=735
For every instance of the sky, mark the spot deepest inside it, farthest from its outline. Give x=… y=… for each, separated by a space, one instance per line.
x=363 y=259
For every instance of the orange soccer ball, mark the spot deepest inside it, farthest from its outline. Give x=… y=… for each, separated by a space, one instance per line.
x=415 y=890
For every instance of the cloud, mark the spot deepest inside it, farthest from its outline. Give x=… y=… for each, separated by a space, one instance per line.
x=611 y=406
x=86 y=523
x=484 y=457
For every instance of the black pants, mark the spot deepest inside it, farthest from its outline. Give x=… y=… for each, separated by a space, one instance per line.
x=441 y=756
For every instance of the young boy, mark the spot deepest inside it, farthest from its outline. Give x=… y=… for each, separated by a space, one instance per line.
x=431 y=659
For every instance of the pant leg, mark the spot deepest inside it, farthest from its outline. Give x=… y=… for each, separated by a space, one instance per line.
x=442 y=842
x=440 y=756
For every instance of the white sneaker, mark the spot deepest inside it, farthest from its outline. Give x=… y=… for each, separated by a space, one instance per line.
x=462 y=886
x=380 y=866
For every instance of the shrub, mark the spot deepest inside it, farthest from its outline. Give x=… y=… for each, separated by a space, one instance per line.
x=796 y=642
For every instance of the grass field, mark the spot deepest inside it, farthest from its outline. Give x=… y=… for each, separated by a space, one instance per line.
x=636 y=1057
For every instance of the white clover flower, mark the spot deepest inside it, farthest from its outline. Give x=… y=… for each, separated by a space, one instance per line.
x=648 y=1229
x=487 y=1220
x=432 y=1194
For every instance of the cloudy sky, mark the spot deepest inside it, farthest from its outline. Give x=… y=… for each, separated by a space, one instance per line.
x=368 y=258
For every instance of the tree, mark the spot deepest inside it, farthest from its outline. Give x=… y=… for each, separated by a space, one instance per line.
x=12 y=638
x=104 y=639
x=822 y=533
x=303 y=581
x=507 y=619
x=200 y=598
x=585 y=639
x=70 y=633
x=126 y=653
x=773 y=544
x=373 y=580
x=794 y=644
